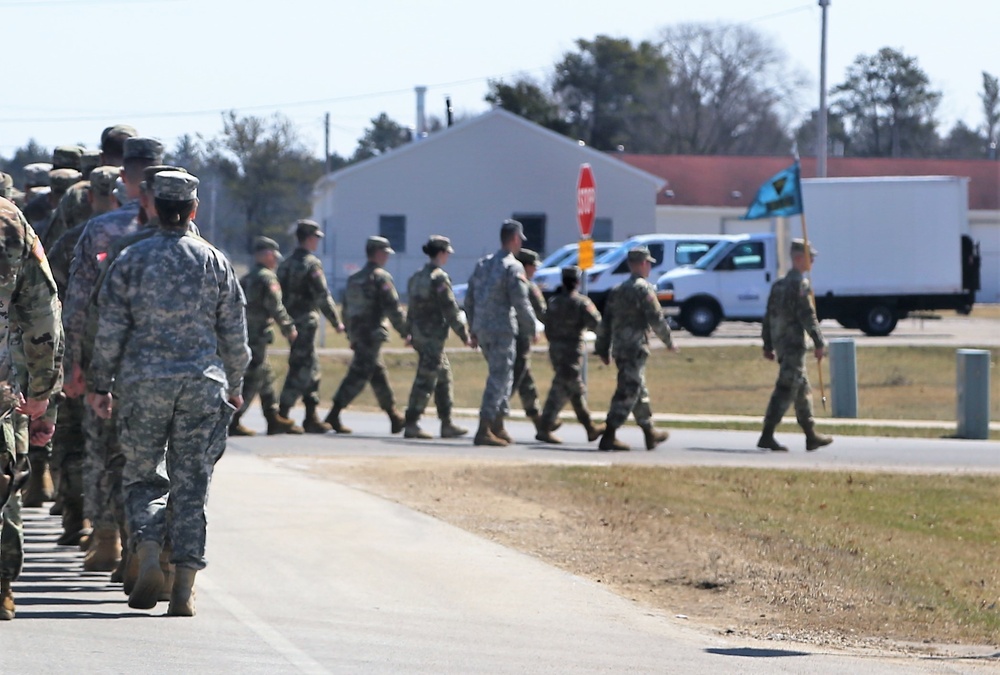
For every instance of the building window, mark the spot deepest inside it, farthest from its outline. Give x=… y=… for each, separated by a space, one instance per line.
x=534 y=230
x=603 y=230
x=393 y=228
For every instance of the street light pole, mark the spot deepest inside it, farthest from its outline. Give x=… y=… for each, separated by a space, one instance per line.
x=821 y=131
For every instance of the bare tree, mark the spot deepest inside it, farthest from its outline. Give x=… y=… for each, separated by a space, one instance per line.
x=991 y=110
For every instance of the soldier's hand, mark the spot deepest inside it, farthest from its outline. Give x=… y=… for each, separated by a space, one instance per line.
x=339 y=328
x=101 y=404
x=474 y=342
x=236 y=401
x=674 y=348
x=74 y=386
x=820 y=353
x=769 y=354
x=535 y=338
x=293 y=336
x=408 y=341
x=32 y=407
x=605 y=360
x=40 y=431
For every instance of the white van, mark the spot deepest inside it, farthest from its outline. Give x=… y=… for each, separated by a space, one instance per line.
x=669 y=250
x=548 y=277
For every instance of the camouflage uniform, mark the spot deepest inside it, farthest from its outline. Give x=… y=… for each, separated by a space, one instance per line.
x=524 y=382
x=264 y=310
x=432 y=311
x=790 y=315
x=30 y=310
x=498 y=309
x=172 y=342
x=305 y=294
x=569 y=314
x=370 y=299
x=631 y=310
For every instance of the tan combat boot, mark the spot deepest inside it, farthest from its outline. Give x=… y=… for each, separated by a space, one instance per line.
x=412 y=429
x=485 y=437
x=168 y=573
x=279 y=424
x=311 y=423
x=543 y=430
x=594 y=431
x=767 y=441
x=333 y=420
x=72 y=521
x=237 y=429
x=149 y=581
x=396 y=421
x=496 y=428
x=449 y=430
x=815 y=441
x=39 y=488
x=7 y=607
x=653 y=437
x=182 y=594
x=609 y=442
x=105 y=551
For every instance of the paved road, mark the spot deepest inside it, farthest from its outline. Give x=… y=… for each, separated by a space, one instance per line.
x=310 y=576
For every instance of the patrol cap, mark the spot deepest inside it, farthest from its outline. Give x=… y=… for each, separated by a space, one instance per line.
x=571 y=273
x=799 y=246
x=640 y=254
x=437 y=243
x=150 y=171
x=139 y=147
x=102 y=179
x=89 y=160
x=175 y=186
x=6 y=185
x=377 y=244
x=307 y=228
x=62 y=179
x=37 y=174
x=117 y=132
x=67 y=157
x=266 y=244
x=527 y=257
x=512 y=226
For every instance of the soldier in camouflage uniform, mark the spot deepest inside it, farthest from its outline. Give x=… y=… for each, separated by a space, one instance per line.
x=304 y=292
x=36 y=182
x=41 y=210
x=569 y=314
x=498 y=310
x=30 y=311
x=172 y=345
x=264 y=311
x=790 y=315
x=630 y=312
x=524 y=382
x=370 y=299
x=74 y=207
x=432 y=311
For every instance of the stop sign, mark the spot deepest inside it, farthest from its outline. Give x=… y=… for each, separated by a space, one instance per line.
x=586 y=200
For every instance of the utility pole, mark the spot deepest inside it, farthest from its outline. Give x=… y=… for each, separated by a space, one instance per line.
x=326 y=143
x=821 y=130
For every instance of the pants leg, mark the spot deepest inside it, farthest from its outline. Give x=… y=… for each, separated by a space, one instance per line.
x=426 y=381
x=630 y=391
x=302 y=380
x=499 y=352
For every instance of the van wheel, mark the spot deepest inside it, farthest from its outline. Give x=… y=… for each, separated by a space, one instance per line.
x=878 y=320
x=700 y=319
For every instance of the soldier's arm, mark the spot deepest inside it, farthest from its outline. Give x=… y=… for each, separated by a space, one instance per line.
x=517 y=289
x=765 y=329
x=537 y=301
x=602 y=345
x=327 y=306
x=654 y=316
x=35 y=315
x=275 y=308
x=449 y=306
x=469 y=298
x=113 y=327
x=591 y=317
x=389 y=300
x=807 y=314
x=231 y=329
x=82 y=277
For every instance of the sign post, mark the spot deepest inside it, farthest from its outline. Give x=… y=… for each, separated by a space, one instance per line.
x=586 y=208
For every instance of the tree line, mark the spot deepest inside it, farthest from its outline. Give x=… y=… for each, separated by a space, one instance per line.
x=700 y=88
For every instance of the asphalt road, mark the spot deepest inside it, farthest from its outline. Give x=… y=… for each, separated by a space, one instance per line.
x=310 y=576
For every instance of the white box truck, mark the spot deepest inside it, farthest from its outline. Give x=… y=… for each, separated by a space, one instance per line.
x=887 y=246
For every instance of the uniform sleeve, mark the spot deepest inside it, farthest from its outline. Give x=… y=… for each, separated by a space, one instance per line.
x=537 y=301
x=82 y=277
x=389 y=301
x=35 y=315
x=317 y=280
x=765 y=329
x=517 y=290
x=231 y=329
x=592 y=318
x=275 y=308
x=470 y=298
x=449 y=307
x=807 y=314
x=113 y=327
x=654 y=315
x=602 y=346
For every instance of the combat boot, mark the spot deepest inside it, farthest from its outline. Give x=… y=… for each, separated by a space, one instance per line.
x=449 y=430
x=594 y=431
x=72 y=522
x=496 y=428
x=237 y=429
x=485 y=437
x=653 y=437
x=767 y=441
x=279 y=424
x=333 y=419
x=39 y=488
x=412 y=429
x=311 y=423
x=6 y=601
x=816 y=441
x=105 y=551
x=182 y=594
x=149 y=581
x=546 y=436
x=396 y=421
x=168 y=570
x=57 y=505
x=609 y=442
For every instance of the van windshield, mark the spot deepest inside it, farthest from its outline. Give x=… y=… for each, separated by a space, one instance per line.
x=712 y=257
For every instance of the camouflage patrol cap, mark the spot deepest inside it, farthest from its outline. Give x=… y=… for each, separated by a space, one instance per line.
x=37 y=174
x=89 y=160
x=6 y=185
x=102 y=179
x=436 y=244
x=67 y=157
x=139 y=147
x=640 y=254
x=150 y=171
x=527 y=257
x=118 y=131
x=510 y=227
x=266 y=244
x=377 y=244
x=307 y=228
x=571 y=273
x=175 y=186
x=799 y=246
x=61 y=179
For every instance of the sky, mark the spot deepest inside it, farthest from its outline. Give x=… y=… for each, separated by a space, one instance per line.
x=172 y=67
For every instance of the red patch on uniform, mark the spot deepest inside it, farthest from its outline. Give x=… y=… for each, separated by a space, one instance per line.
x=386 y=287
x=38 y=250
x=101 y=256
x=275 y=287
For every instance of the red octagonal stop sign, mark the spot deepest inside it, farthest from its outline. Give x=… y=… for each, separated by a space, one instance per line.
x=586 y=200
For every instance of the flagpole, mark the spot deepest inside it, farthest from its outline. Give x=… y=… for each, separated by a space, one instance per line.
x=812 y=298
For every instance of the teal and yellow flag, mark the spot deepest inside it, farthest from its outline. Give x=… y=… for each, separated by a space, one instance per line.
x=780 y=195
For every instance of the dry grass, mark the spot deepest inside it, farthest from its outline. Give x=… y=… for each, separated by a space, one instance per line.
x=826 y=557
x=894 y=382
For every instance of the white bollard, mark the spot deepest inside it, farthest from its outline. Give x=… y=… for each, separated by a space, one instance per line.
x=973 y=384
x=843 y=378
